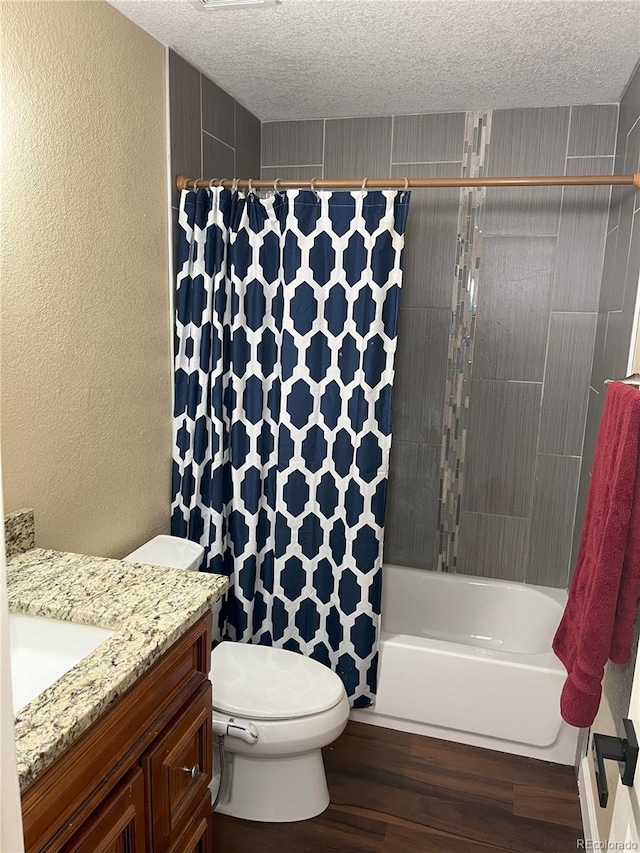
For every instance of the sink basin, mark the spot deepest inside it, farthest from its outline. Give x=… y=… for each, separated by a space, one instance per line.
x=42 y=650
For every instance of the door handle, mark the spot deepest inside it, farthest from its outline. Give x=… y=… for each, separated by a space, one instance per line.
x=622 y=750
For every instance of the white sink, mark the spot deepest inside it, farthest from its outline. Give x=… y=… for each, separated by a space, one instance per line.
x=42 y=650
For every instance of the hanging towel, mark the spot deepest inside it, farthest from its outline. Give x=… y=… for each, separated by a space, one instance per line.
x=597 y=624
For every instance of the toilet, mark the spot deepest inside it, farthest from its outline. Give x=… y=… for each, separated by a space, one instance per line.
x=276 y=710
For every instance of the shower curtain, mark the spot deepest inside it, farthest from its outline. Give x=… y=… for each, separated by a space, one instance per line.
x=286 y=321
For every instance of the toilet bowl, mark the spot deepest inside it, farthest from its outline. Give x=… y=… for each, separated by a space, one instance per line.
x=295 y=706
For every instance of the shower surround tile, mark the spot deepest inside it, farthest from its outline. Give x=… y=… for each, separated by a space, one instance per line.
x=493 y=545
x=218 y=112
x=466 y=281
x=430 y=238
x=418 y=388
x=247 y=143
x=292 y=143
x=218 y=159
x=582 y=233
x=556 y=485
x=526 y=142
x=513 y=311
x=566 y=386
x=357 y=147
x=501 y=447
x=291 y=173
x=430 y=138
x=184 y=97
x=412 y=504
x=593 y=130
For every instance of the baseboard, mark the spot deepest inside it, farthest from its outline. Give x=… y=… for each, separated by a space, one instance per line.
x=588 y=806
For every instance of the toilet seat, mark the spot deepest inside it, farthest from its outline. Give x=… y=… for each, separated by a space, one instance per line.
x=262 y=683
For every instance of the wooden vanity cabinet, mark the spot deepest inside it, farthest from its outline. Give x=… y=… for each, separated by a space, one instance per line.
x=118 y=826
x=137 y=780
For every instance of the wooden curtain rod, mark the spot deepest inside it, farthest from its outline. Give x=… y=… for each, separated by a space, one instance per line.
x=183 y=182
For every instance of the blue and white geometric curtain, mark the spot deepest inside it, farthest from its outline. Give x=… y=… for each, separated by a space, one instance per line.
x=286 y=321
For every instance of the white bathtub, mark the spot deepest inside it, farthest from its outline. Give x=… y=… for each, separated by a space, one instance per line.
x=469 y=660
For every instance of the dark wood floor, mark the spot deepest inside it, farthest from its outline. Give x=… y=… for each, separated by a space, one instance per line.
x=393 y=792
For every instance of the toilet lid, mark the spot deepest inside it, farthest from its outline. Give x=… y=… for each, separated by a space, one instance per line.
x=262 y=683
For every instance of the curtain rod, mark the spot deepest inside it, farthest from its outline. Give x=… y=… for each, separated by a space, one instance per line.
x=183 y=182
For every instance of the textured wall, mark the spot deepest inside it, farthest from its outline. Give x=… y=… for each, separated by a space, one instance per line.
x=86 y=420
x=613 y=342
x=537 y=300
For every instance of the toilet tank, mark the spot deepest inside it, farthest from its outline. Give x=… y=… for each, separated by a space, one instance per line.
x=170 y=551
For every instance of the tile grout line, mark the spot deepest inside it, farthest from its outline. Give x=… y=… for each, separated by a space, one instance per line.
x=427 y=163
x=544 y=378
x=435 y=113
x=393 y=130
x=632 y=128
x=575 y=312
x=217 y=139
x=235 y=141
x=294 y=166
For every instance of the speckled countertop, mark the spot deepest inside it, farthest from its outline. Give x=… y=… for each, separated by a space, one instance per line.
x=148 y=607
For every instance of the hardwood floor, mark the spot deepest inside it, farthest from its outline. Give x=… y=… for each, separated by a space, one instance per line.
x=393 y=792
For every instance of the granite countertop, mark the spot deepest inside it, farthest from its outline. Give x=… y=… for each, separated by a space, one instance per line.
x=148 y=607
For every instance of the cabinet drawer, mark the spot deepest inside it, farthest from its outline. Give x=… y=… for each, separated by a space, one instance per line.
x=118 y=825
x=197 y=837
x=178 y=770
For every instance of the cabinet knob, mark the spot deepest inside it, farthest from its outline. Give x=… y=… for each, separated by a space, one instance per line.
x=194 y=771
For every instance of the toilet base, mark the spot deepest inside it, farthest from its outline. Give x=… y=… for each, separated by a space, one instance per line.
x=274 y=790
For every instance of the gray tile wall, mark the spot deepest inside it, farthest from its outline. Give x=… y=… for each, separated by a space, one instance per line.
x=535 y=329
x=536 y=320
x=212 y=135
x=617 y=298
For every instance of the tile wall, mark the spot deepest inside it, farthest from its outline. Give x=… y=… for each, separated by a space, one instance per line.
x=537 y=310
x=212 y=135
x=538 y=293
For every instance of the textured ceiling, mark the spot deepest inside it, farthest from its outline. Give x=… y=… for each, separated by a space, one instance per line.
x=332 y=58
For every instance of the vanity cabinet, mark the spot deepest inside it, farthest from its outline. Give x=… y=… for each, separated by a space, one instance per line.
x=137 y=780
x=118 y=826
x=178 y=772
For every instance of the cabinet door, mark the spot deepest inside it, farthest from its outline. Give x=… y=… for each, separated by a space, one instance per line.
x=178 y=770
x=197 y=837
x=118 y=825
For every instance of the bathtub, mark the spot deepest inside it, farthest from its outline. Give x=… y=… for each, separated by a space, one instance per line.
x=469 y=659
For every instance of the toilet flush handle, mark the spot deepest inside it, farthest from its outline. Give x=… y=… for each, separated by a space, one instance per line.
x=233 y=727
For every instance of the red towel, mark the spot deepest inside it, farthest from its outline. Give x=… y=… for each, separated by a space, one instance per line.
x=597 y=624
